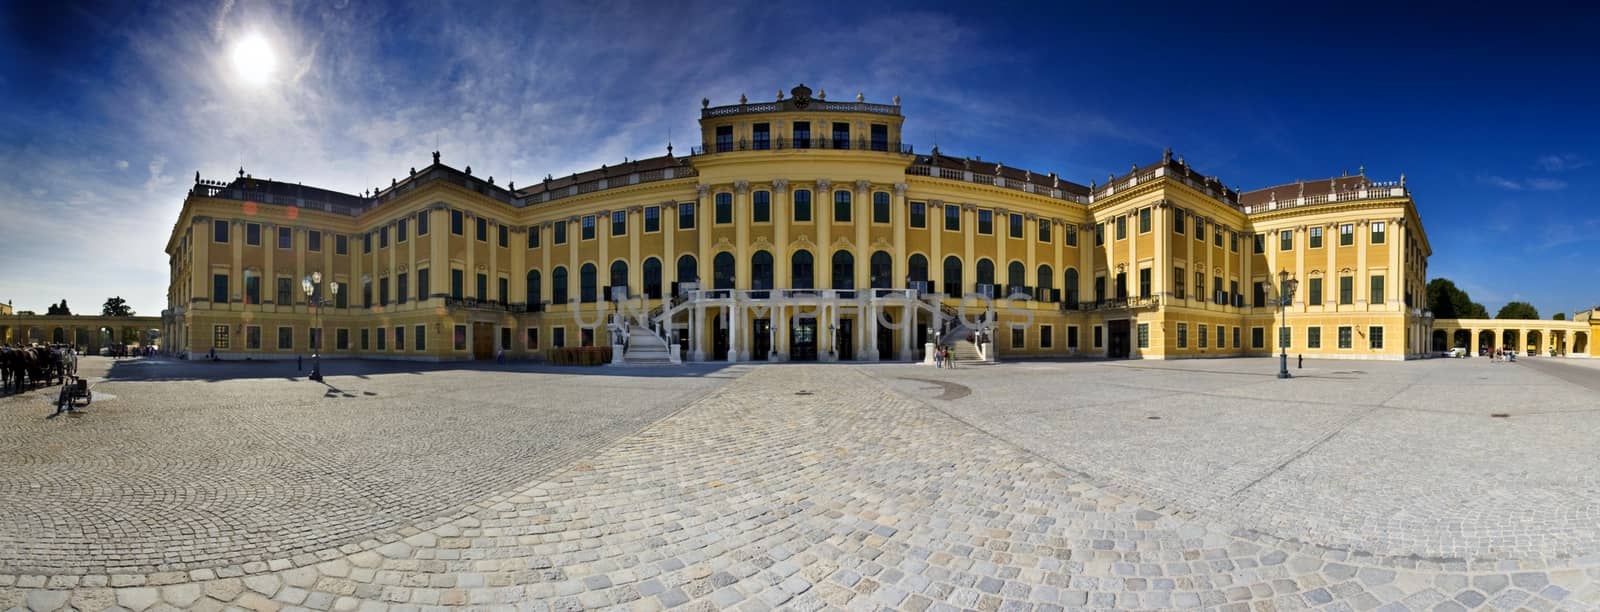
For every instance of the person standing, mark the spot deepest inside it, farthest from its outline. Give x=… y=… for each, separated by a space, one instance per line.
x=938 y=357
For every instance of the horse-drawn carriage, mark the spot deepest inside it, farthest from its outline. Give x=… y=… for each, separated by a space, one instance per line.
x=22 y=367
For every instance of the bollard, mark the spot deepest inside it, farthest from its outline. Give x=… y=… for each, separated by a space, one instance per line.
x=1302 y=364
x=298 y=363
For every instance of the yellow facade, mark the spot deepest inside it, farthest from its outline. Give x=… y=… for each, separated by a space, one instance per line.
x=790 y=210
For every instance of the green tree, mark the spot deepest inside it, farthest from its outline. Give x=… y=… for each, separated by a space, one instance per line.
x=116 y=307
x=1450 y=302
x=1560 y=316
x=1517 y=310
x=60 y=310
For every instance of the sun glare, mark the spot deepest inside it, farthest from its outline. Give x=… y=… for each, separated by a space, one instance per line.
x=253 y=59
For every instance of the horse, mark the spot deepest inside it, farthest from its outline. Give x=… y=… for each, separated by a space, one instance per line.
x=5 y=368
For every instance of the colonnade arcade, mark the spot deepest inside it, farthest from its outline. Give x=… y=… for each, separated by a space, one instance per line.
x=1536 y=337
x=87 y=333
x=799 y=324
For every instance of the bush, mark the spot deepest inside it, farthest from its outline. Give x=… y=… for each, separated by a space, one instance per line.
x=581 y=356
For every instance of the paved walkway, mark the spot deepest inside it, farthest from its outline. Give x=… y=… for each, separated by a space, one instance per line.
x=806 y=487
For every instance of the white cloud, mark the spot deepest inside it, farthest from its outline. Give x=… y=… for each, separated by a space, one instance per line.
x=122 y=164
x=1546 y=184
x=1562 y=162
x=1535 y=184
x=1501 y=182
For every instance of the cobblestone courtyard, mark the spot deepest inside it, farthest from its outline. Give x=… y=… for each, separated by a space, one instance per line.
x=1139 y=485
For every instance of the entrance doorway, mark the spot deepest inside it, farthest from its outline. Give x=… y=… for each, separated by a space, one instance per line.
x=847 y=346
x=803 y=340
x=1118 y=330
x=482 y=341
x=719 y=340
x=760 y=339
x=886 y=350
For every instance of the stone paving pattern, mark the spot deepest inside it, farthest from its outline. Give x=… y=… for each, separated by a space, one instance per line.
x=857 y=495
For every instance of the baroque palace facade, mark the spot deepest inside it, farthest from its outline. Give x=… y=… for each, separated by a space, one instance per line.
x=802 y=229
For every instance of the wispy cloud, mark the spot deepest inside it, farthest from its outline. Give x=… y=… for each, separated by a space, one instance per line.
x=1562 y=162
x=1533 y=184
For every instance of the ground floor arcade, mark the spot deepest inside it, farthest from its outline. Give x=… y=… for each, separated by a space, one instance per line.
x=1525 y=337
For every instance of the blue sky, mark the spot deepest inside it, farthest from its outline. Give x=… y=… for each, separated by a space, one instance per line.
x=107 y=110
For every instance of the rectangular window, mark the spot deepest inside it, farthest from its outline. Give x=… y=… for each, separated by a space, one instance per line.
x=1258 y=337
x=1377 y=232
x=558 y=337
x=587 y=225
x=1260 y=244
x=219 y=288
x=366 y=335
x=1216 y=237
x=619 y=222
x=314 y=337
x=285 y=237
x=723 y=205
x=1199 y=228
x=880 y=137
x=1144 y=335
x=685 y=217
x=1286 y=240
x=762 y=136
x=1259 y=295
x=1044 y=231
x=1201 y=335
x=342 y=298
x=880 y=207
x=482 y=226
x=1072 y=337
x=724 y=138
x=1347 y=234
x=1313 y=337
x=1177 y=283
x=422 y=284
x=252 y=234
x=457 y=283
x=459 y=338
x=1220 y=297
x=285 y=297
x=1144 y=220
x=1233 y=294
x=652 y=221
x=533 y=338
x=802 y=134
x=533 y=236
x=952 y=218
x=841 y=135
x=285 y=338
x=422 y=223
x=219 y=231
x=419 y=337
x=483 y=286
x=341 y=339
x=400 y=229
x=1183 y=335
x=1283 y=337
x=402 y=289
x=1347 y=290
x=455 y=222
x=1345 y=339
x=560 y=231
x=383 y=338
x=399 y=338
x=220 y=337
x=761 y=207
x=1122 y=227
x=1180 y=221
x=1047 y=337
x=341 y=245
x=1015 y=222
x=252 y=288
x=1375 y=336
x=841 y=207
x=1233 y=241
x=1314 y=292
x=1199 y=285
x=383 y=291
x=502 y=234
x=505 y=289
x=1017 y=338
x=1099 y=234
x=919 y=215
x=1377 y=290
x=1316 y=237
x=366 y=243
x=505 y=338
x=802 y=206
x=1222 y=341
x=1144 y=282
x=383 y=237
x=1072 y=235
x=986 y=222
x=1099 y=337
x=1099 y=289
x=1236 y=337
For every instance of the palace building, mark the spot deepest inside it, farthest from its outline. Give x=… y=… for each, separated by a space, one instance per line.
x=801 y=229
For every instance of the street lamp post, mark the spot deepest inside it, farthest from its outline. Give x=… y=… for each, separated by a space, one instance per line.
x=1286 y=287
x=310 y=285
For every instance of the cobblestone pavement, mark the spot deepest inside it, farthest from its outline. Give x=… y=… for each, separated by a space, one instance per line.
x=175 y=475
x=804 y=487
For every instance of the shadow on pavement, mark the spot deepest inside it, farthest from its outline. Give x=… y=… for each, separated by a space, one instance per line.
x=165 y=369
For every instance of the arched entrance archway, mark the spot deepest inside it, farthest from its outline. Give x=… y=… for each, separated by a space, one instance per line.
x=1580 y=342
x=1510 y=339
x=1441 y=340
x=1485 y=342
x=1462 y=339
x=1535 y=344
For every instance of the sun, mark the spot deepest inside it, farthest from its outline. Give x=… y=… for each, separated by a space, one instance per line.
x=253 y=59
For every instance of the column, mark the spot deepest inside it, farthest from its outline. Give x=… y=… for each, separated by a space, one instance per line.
x=862 y=218
x=574 y=237
x=635 y=264
x=969 y=234
x=870 y=330
x=1085 y=276
x=199 y=275
x=394 y=269
x=329 y=242
x=519 y=272
x=1332 y=272
x=1300 y=242
x=741 y=235
x=898 y=219
x=935 y=250
x=1363 y=275
x=1397 y=266
x=702 y=227
x=781 y=217
x=669 y=254
x=546 y=231
x=1133 y=265
x=236 y=271
x=1159 y=237
x=1002 y=264
x=822 y=214
x=1191 y=266
x=269 y=275
x=298 y=234
x=602 y=264
x=439 y=255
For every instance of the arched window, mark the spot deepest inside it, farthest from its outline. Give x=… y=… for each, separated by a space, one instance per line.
x=917 y=271
x=1016 y=277
x=558 y=285
x=1069 y=287
x=619 y=276
x=1046 y=283
x=952 y=276
x=761 y=271
x=844 y=268
x=722 y=271
x=586 y=283
x=535 y=292
x=688 y=269
x=800 y=270
x=652 y=278
x=882 y=267
x=985 y=274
